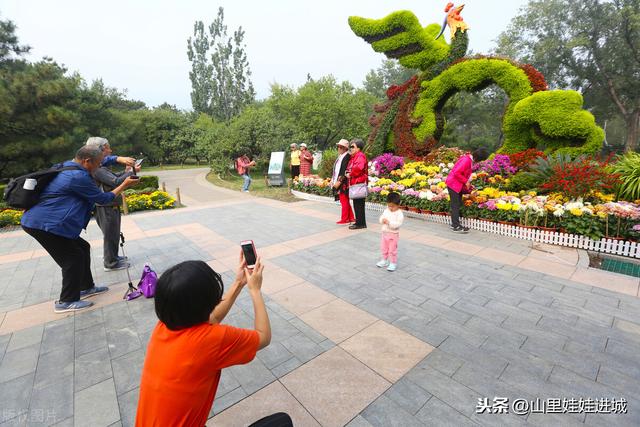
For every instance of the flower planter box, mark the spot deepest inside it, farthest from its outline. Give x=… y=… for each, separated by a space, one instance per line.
x=609 y=245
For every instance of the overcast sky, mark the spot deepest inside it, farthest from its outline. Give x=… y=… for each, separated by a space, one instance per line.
x=141 y=45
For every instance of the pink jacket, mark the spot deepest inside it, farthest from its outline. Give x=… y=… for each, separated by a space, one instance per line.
x=460 y=173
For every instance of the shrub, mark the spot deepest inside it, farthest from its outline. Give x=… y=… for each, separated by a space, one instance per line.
x=146 y=181
x=542 y=168
x=329 y=157
x=444 y=155
x=2 y=187
x=627 y=167
x=523 y=181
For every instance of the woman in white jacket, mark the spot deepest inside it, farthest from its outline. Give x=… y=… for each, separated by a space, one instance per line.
x=391 y=220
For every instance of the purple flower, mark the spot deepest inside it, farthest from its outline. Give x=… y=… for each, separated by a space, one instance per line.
x=387 y=162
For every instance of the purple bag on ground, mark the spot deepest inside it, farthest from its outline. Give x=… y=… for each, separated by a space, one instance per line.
x=148 y=281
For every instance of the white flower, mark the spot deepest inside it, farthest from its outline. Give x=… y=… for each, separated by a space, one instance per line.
x=429 y=195
x=558 y=212
x=422 y=194
x=450 y=165
x=441 y=165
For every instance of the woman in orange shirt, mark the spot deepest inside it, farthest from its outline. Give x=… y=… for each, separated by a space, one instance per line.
x=189 y=346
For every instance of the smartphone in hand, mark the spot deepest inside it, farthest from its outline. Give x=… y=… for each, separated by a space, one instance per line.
x=139 y=162
x=249 y=251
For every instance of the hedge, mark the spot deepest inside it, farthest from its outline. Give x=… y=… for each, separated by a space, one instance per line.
x=398 y=35
x=147 y=181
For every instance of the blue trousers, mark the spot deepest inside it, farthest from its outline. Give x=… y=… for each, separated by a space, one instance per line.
x=247 y=182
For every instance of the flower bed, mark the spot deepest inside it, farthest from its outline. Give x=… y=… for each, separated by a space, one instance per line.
x=137 y=200
x=589 y=212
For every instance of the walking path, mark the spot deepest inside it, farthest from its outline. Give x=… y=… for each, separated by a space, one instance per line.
x=464 y=317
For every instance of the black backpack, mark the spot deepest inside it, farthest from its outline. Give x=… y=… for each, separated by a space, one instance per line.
x=19 y=197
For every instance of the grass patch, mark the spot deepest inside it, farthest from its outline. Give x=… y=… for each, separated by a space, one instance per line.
x=258 y=186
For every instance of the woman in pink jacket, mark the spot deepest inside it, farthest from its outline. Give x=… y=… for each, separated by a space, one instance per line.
x=459 y=182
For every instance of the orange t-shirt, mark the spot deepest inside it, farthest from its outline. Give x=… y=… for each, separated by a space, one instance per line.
x=182 y=370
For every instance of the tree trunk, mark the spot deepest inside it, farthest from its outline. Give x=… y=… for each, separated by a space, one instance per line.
x=633 y=125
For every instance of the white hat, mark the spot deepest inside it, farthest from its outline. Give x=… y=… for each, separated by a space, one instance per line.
x=303 y=145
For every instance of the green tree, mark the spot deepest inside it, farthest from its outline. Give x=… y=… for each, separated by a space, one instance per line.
x=10 y=48
x=390 y=72
x=221 y=83
x=592 y=46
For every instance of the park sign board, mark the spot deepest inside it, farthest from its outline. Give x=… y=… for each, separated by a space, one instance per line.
x=275 y=175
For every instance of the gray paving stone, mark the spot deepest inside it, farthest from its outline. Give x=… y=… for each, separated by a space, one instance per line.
x=405 y=295
x=88 y=319
x=286 y=367
x=359 y=421
x=436 y=308
x=90 y=339
x=127 y=371
x=4 y=342
x=421 y=330
x=16 y=395
x=128 y=405
x=467 y=306
x=307 y=330
x=563 y=331
x=274 y=355
x=519 y=358
x=408 y=395
x=525 y=327
x=517 y=313
x=53 y=367
x=444 y=362
x=481 y=358
x=253 y=376
x=97 y=405
x=57 y=335
x=92 y=368
x=122 y=341
x=25 y=338
x=227 y=383
x=227 y=400
x=473 y=337
x=381 y=308
x=19 y=362
x=302 y=347
x=620 y=363
x=542 y=298
x=627 y=349
x=451 y=392
x=628 y=387
x=507 y=302
x=483 y=327
x=583 y=366
x=117 y=316
x=607 y=311
x=52 y=403
x=436 y=412
x=385 y=412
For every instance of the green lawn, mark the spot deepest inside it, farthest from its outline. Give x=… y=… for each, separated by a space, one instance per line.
x=258 y=186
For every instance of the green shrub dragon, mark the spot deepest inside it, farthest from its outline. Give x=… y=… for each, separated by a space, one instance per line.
x=535 y=117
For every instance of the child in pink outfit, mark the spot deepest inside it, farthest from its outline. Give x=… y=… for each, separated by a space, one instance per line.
x=391 y=220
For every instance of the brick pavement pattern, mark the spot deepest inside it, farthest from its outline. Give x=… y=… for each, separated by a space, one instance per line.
x=463 y=318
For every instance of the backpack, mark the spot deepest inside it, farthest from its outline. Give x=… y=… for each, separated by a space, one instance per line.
x=24 y=191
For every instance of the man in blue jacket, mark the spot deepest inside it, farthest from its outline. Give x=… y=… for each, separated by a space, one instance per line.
x=56 y=221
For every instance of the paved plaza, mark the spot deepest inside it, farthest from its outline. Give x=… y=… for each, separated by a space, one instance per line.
x=465 y=317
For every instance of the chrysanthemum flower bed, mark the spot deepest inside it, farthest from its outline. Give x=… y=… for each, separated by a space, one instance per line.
x=422 y=188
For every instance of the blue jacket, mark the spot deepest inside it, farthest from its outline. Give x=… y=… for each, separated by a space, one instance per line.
x=109 y=160
x=66 y=203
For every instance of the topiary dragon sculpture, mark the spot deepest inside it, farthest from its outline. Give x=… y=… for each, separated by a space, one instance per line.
x=411 y=121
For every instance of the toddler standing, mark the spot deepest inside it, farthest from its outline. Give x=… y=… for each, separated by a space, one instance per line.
x=391 y=220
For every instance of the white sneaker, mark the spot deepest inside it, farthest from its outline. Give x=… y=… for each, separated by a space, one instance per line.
x=392 y=267
x=382 y=263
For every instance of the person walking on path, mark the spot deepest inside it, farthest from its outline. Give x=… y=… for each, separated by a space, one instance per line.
x=243 y=165
x=56 y=221
x=340 y=183
x=108 y=215
x=391 y=220
x=459 y=182
x=357 y=172
x=295 y=161
x=306 y=160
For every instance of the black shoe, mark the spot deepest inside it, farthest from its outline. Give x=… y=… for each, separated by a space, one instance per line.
x=460 y=229
x=356 y=227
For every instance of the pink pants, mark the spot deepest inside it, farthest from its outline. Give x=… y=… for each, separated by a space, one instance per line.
x=389 y=246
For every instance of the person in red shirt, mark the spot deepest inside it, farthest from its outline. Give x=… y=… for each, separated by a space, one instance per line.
x=189 y=346
x=357 y=172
